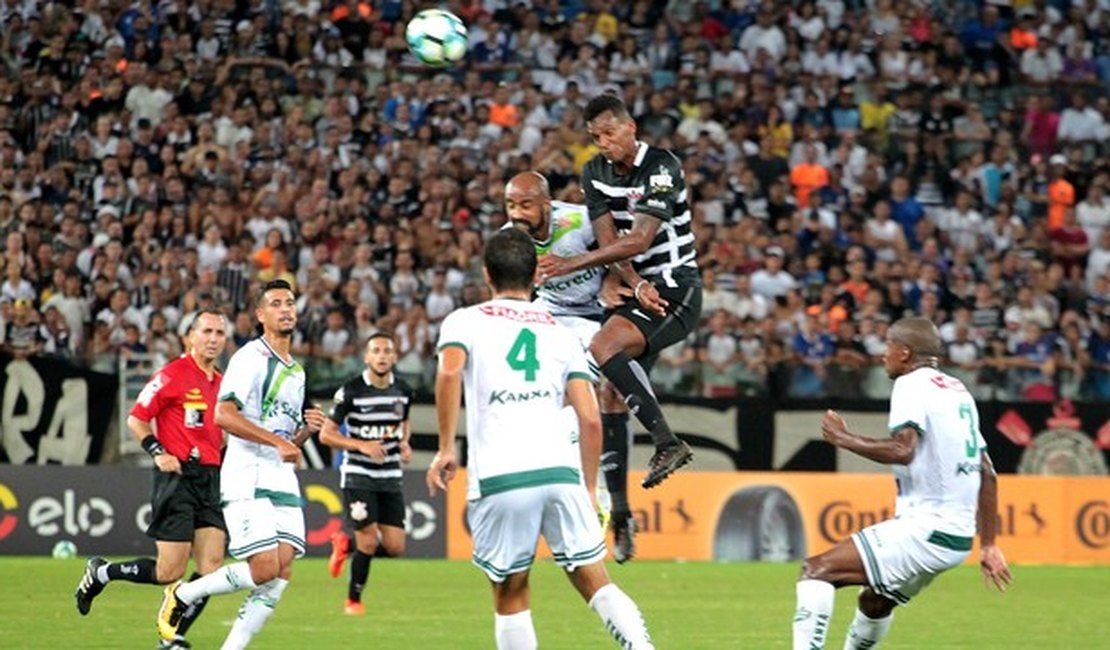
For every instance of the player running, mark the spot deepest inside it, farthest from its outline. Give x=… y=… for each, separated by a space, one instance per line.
x=638 y=192
x=375 y=407
x=526 y=475
x=185 y=501
x=564 y=229
x=946 y=488
x=261 y=404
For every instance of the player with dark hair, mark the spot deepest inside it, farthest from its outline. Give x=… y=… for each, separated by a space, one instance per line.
x=261 y=406
x=564 y=229
x=185 y=501
x=375 y=408
x=527 y=475
x=636 y=196
x=947 y=490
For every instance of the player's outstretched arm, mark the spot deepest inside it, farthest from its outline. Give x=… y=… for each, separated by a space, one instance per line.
x=452 y=360
x=898 y=449
x=622 y=248
x=581 y=397
x=230 y=419
x=991 y=561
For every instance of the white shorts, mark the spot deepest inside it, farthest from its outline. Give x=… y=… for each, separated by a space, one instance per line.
x=902 y=556
x=257 y=525
x=584 y=329
x=507 y=525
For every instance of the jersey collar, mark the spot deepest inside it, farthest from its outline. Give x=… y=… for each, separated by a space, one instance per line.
x=202 y=371
x=641 y=151
x=276 y=355
x=370 y=382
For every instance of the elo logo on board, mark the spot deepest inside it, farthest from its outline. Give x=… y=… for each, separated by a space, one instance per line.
x=49 y=516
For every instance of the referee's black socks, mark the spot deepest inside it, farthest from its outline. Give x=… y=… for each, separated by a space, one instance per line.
x=142 y=570
x=630 y=379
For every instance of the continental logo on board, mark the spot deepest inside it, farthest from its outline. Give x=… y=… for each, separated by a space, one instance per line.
x=780 y=516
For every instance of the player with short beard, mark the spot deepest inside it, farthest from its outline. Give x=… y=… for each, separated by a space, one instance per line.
x=261 y=406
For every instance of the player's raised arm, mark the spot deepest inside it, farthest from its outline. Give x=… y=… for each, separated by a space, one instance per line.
x=991 y=561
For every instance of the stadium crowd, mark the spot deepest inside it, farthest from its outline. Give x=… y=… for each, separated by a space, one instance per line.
x=849 y=162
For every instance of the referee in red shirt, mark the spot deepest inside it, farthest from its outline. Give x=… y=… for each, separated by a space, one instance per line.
x=186 y=515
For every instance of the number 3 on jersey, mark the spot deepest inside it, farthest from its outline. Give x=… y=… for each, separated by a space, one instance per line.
x=522 y=356
x=971 y=445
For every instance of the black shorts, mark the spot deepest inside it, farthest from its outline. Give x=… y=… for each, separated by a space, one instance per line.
x=661 y=332
x=182 y=503
x=366 y=507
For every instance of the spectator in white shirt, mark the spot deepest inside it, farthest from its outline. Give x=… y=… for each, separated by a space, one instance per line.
x=1080 y=123
x=748 y=304
x=1093 y=212
x=772 y=280
x=962 y=225
x=211 y=251
x=714 y=297
x=1042 y=64
x=1098 y=260
x=763 y=35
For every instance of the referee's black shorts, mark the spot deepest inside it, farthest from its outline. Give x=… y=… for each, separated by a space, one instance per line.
x=182 y=503
x=661 y=332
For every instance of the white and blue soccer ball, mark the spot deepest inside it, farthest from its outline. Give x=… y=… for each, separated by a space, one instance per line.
x=437 y=38
x=64 y=550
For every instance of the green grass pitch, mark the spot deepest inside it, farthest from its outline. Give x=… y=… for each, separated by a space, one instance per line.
x=415 y=604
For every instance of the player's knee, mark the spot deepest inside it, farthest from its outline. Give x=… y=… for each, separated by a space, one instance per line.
x=875 y=606
x=265 y=568
x=603 y=349
x=394 y=548
x=208 y=563
x=815 y=568
x=366 y=544
x=167 y=571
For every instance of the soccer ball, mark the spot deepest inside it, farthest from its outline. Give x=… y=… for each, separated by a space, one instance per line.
x=436 y=37
x=64 y=550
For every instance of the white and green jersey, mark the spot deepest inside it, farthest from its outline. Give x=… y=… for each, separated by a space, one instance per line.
x=942 y=480
x=518 y=362
x=571 y=234
x=269 y=393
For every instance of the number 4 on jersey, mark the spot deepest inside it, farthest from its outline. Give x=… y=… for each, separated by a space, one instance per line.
x=522 y=356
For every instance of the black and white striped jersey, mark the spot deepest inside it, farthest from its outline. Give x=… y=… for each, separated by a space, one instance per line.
x=372 y=413
x=655 y=186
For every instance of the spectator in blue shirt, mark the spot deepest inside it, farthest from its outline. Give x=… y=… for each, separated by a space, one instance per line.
x=906 y=211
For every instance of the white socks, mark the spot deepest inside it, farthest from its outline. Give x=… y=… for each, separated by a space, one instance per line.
x=515 y=631
x=254 y=612
x=866 y=632
x=811 y=618
x=622 y=618
x=226 y=579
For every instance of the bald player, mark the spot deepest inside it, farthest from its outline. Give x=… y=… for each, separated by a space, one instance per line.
x=946 y=486
x=574 y=301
